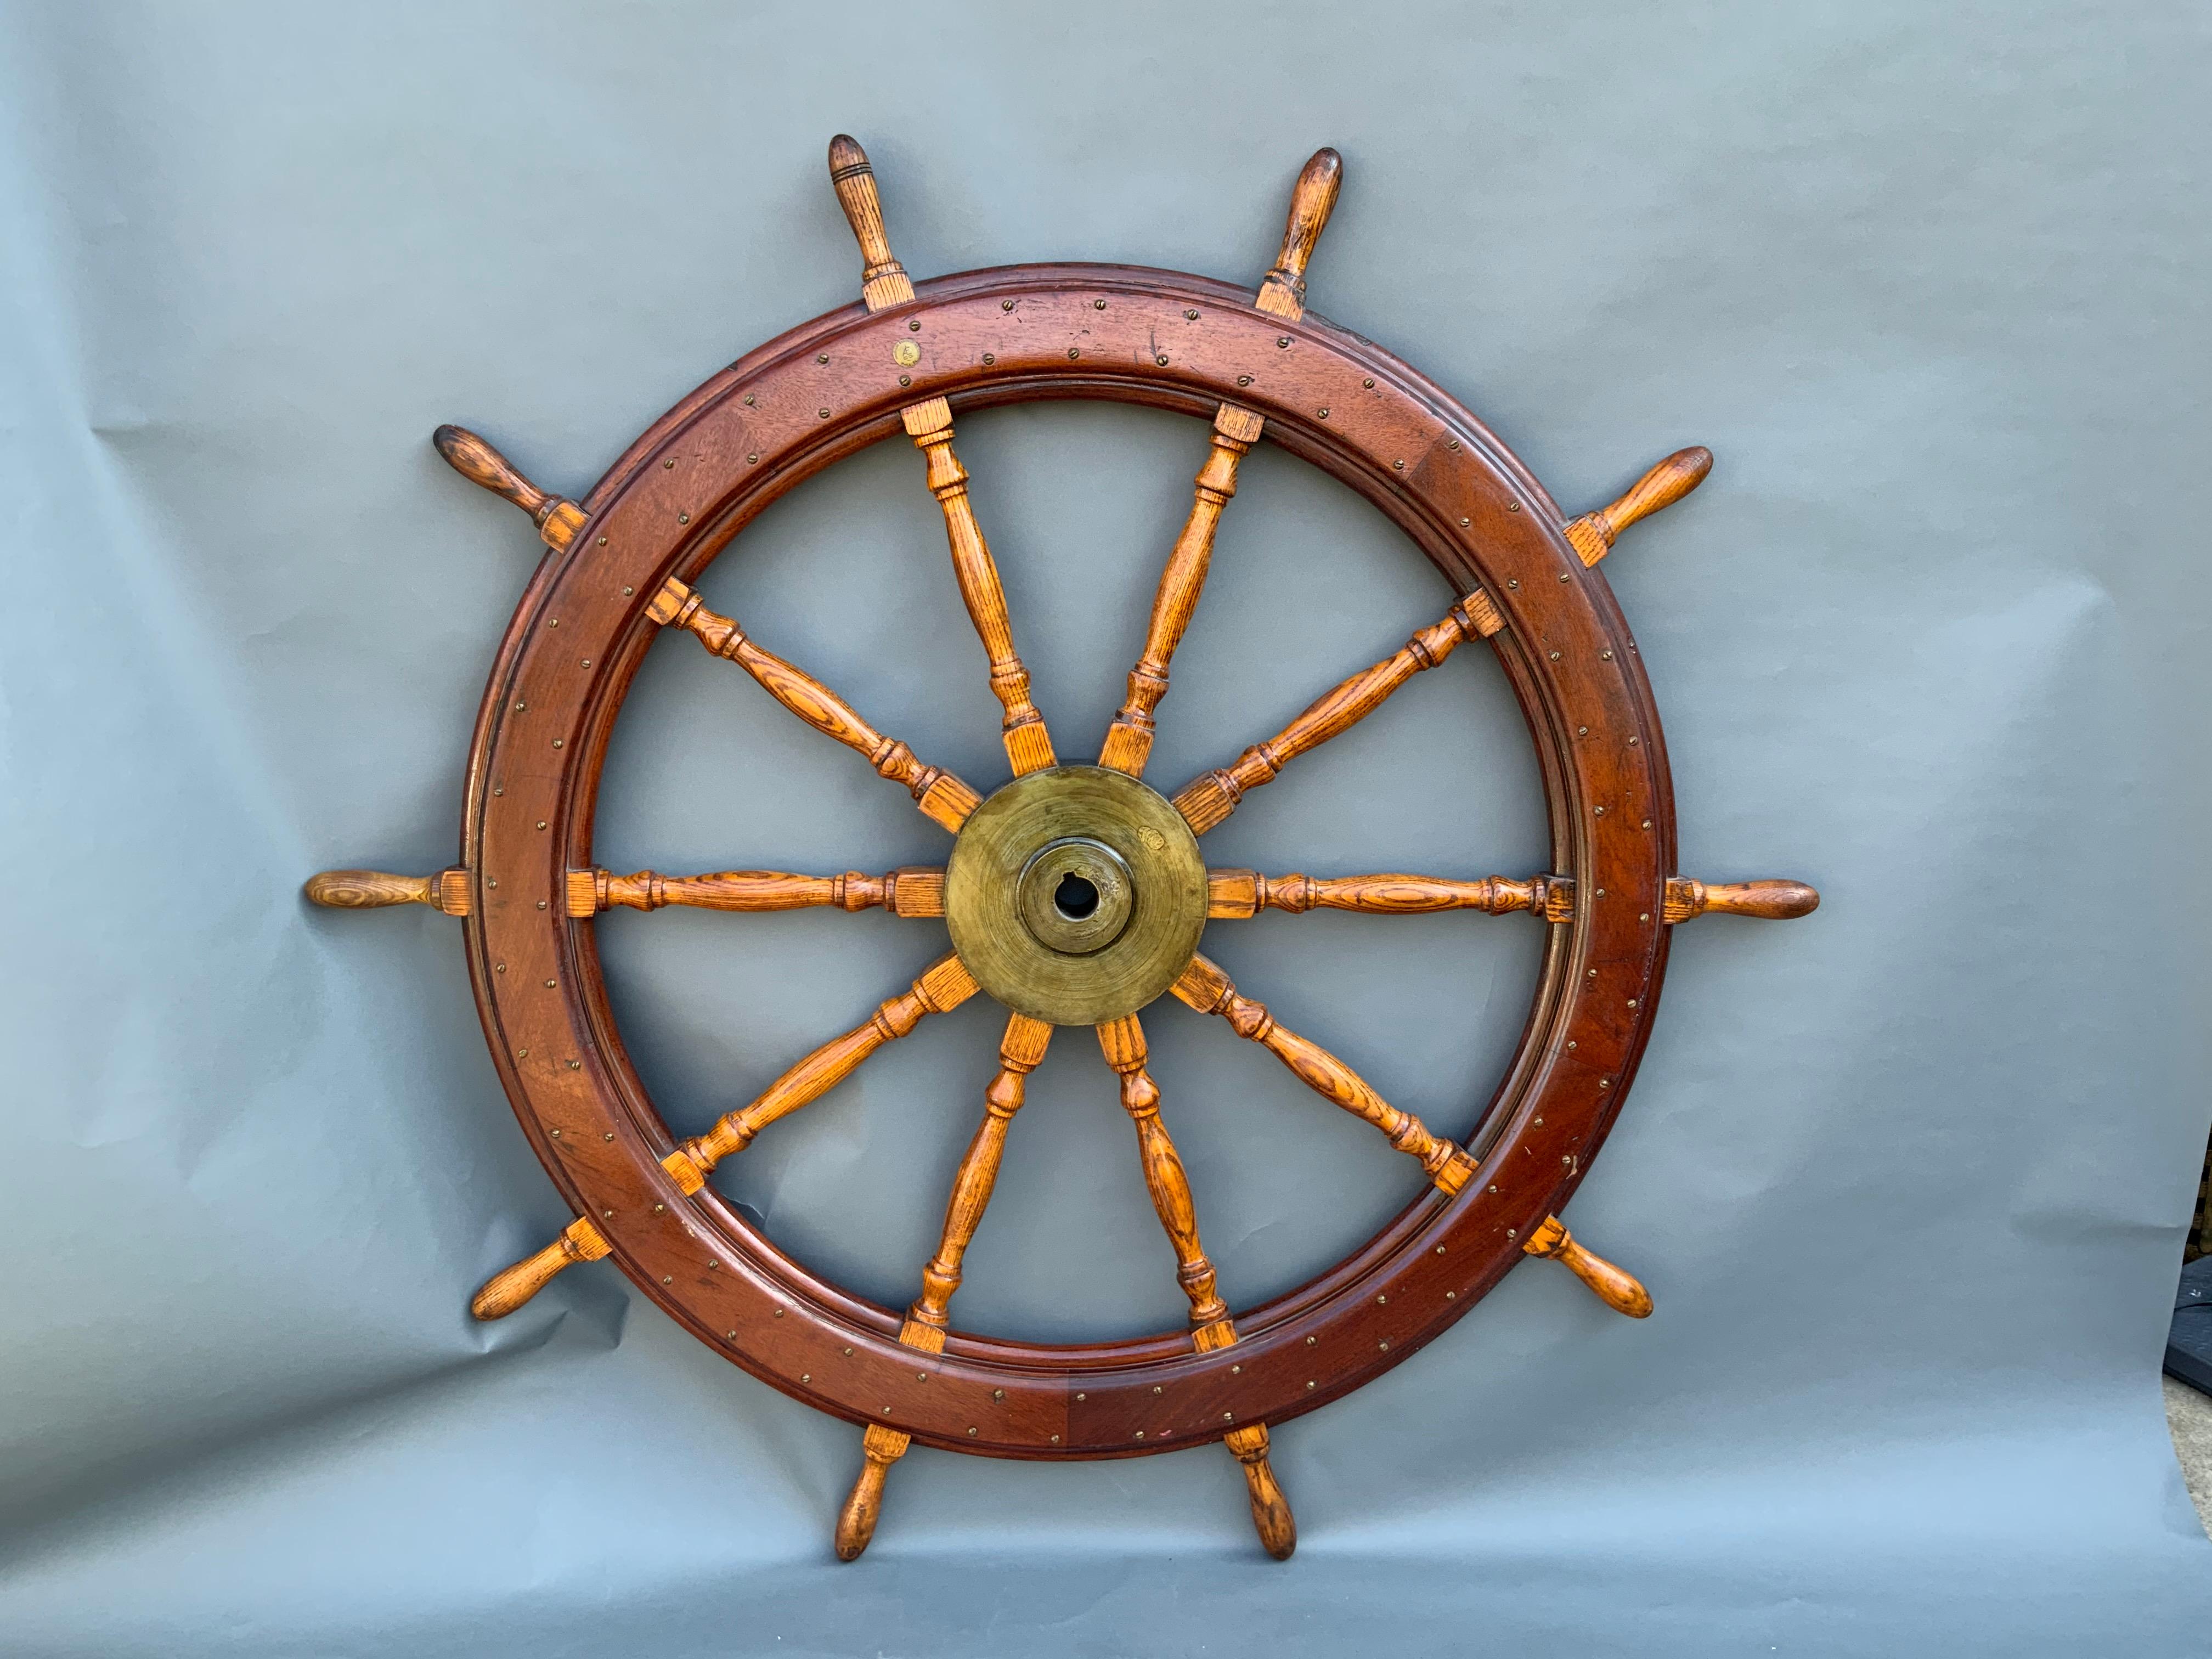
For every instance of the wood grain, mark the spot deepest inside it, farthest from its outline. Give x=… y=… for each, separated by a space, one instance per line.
x=362 y=890
x=1123 y=1042
x=943 y=986
x=1770 y=901
x=880 y=1448
x=475 y=460
x=942 y=797
x=1206 y=988
x=1271 y=1511
x=1593 y=534
x=1129 y=742
x=1208 y=798
x=1233 y=893
x=911 y=891
x=1019 y=1051
x=884 y=283
x=1619 y=1290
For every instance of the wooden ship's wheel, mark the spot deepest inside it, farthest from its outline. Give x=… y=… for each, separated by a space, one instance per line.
x=1074 y=893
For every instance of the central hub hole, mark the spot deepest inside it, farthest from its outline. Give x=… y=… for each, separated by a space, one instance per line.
x=1075 y=897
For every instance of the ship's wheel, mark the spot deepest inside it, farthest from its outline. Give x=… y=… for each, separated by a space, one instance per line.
x=1074 y=893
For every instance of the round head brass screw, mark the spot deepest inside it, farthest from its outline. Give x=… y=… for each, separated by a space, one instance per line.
x=819 y=357
x=1283 y=340
x=998 y=1394
x=751 y=460
x=1162 y=362
x=1098 y=305
x=988 y=359
x=1243 y=380
x=1191 y=315
x=807 y=1376
x=670 y=466
x=905 y=379
x=1368 y=383
x=685 y=517
x=1075 y=351
x=1005 y=305
x=668 y=1278
x=914 y=326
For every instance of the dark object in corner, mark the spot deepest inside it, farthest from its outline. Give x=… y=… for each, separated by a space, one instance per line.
x=2189 y=1343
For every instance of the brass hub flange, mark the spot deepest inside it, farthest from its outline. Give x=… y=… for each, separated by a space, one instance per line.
x=1075 y=895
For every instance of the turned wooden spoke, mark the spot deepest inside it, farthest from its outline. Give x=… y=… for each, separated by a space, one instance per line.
x=1593 y=534
x=1208 y=798
x=1618 y=1289
x=942 y=987
x=1129 y=739
x=1236 y=894
x=365 y=889
x=884 y=281
x=1020 y=1051
x=1206 y=988
x=911 y=891
x=557 y=521
x=942 y=796
x=1123 y=1042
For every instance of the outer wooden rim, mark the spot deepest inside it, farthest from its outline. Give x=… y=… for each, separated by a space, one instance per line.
x=1390 y=434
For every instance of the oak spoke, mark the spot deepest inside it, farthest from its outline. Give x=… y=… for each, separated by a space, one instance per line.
x=1129 y=739
x=910 y=890
x=1206 y=988
x=1123 y=1042
x=1235 y=894
x=1020 y=1051
x=943 y=797
x=942 y=987
x=1208 y=798
x=884 y=281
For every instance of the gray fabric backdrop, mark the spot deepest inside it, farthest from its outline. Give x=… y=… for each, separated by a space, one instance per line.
x=1907 y=1179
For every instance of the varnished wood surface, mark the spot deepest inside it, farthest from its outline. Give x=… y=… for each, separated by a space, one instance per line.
x=1769 y=901
x=1208 y=798
x=928 y=422
x=941 y=796
x=1593 y=534
x=1206 y=988
x=911 y=891
x=1129 y=742
x=475 y=460
x=1617 y=1288
x=1550 y=1104
x=1233 y=893
x=364 y=890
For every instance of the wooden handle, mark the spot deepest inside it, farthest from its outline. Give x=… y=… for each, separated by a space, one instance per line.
x=941 y=796
x=856 y=1522
x=1271 y=1511
x=1312 y=200
x=1619 y=1290
x=362 y=890
x=557 y=521
x=1665 y=484
x=1208 y=798
x=884 y=281
x=1770 y=901
x=508 y=1289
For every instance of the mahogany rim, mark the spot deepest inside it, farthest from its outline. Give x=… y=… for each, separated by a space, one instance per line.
x=1038 y=1379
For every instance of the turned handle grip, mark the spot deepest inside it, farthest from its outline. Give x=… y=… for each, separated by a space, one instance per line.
x=1313 y=198
x=557 y=518
x=856 y=1522
x=1271 y=1511
x=1772 y=901
x=485 y=467
x=362 y=890
x=1616 y=1287
x=1662 y=486
x=509 y=1288
x=854 y=181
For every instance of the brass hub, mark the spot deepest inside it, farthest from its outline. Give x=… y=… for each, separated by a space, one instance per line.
x=1075 y=895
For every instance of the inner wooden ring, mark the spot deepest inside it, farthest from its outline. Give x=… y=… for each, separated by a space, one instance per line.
x=829 y=388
